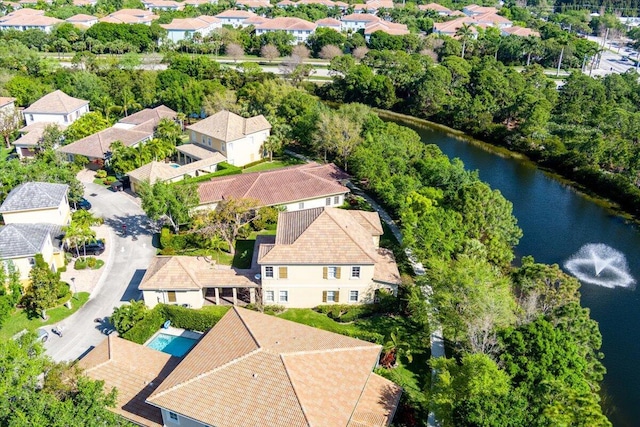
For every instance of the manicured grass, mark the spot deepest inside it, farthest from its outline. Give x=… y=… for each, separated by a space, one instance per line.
x=19 y=320
x=309 y=317
x=242 y=258
x=275 y=164
x=244 y=253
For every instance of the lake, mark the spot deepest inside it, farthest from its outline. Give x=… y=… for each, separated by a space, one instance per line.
x=557 y=221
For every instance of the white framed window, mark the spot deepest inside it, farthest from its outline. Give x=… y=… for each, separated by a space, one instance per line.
x=332 y=272
x=331 y=296
x=283 y=296
x=355 y=272
x=353 y=296
x=269 y=296
x=268 y=272
x=328 y=201
x=32 y=261
x=301 y=205
x=336 y=200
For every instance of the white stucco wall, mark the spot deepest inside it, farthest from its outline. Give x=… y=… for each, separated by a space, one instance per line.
x=65 y=119
x=193 y=297
x=315 y=203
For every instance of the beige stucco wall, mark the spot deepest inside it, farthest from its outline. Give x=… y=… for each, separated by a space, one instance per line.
x=51 y=257
x=239 y=152
x=305 y=285
x=152 y=298
x=59 y=216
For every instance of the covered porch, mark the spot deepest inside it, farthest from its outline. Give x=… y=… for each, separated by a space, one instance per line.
x=225 y=295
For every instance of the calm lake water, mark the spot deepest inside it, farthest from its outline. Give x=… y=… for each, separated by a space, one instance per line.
x=557 y=222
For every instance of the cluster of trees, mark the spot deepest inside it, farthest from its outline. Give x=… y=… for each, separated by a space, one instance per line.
x=10 y=289
x=41 y=392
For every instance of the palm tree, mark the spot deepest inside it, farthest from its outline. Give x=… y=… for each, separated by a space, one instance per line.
x=563 y=40
x=168 y=130
x=465 y=33
x=394 y=348
x=532 y=47
x=128 y=101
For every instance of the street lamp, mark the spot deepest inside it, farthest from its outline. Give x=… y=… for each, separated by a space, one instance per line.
x=73 y=287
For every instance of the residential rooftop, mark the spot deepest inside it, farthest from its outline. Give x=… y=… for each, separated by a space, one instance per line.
x=227 y=126
x=34 y=196
x=56 y=102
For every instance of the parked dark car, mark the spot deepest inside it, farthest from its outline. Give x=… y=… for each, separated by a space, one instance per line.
x=83 y=204
x=91 y=248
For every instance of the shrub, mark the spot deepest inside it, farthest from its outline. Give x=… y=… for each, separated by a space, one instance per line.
x=194 y=320
x=101 y=173
x=80 y=264
x=274 y=309
x=91 y=262
x=176 y=242
x=127 y=316
x=346 y=312
x=145 y=328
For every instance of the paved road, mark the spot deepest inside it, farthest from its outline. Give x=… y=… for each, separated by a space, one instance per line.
x=129 y=256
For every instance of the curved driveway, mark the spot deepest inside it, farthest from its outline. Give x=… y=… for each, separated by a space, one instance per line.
x=129 y=256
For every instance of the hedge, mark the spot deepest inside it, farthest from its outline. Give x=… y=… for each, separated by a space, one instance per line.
x=223 y=169
x=193 y=320
x=144 y=329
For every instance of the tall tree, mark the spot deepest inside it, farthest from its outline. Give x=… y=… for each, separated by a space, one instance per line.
x=171 y=202
x=42 y=293
x=465 y=33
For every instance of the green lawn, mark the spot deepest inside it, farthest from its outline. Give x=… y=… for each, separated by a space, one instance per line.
x=276 y=164
x=19 y=320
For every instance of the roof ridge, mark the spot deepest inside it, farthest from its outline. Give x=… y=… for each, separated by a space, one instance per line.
x=333 y=350
x=17 y=229
x=344 y=228
x=204 y=374
x=188 y=271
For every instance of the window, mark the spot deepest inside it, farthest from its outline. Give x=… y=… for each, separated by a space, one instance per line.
x=355 y=272
x=32 y=261
x=30 y=117
x=353 y=296
x=336 y=200
x=301 y=205
x=269 y=296
x=173 y=416
x=331 y=296
x=224 y=146
x=171 y=296
x=284 y=296
x=66 y=119
x=331 y=272
x=328 y=201
x=283 y=273
x=268 y=272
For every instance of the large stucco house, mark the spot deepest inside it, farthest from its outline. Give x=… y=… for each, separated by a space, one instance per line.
x=34 y=213
x=318 y=256
x=56 y=107
x=186 y=28
x=250 y=369
x=325 y=256
x=239 y=139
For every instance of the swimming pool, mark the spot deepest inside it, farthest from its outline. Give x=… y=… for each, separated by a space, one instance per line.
x=171 y=344
x=174 y=165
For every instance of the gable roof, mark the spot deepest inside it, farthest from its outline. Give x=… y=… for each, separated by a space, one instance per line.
x=81 y=18
x=288 y=374
x=232 y=13
x=520 y=31
x=5 y=100
x=160 y=171
x=387 y=27
x=287 y=24
x=360 y=17
x=135 y=371
x=56 y=102
x=227 y=126
x=323 y=236
x=33 y=196
x=435 y=7
x=23 y=240
x=190 y=23
x=328 y=22
x=276 y=187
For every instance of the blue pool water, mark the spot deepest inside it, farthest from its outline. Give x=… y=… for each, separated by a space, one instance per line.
x=171 y=344
x=174 y=165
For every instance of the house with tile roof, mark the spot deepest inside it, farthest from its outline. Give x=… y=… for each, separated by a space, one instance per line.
x=519 y=31
x=239 y=139
x=391 y=28
x=358 y=21
x=147 y=115
x=234 y=17
x=474 y=9
x=437 y=8
x=293 y=188
x=181 y=29
x=37 y=202
x=83 y=20
x=253 y=5
x=284 y=373
x=31 y=137
x=298 y=28
x=130 y=16
x=34 y=213
x=489 y=19
x=28 y=19
x=325 y=256
x=332 y=23
x=56 y=107
x=154 y=5
x=372 y=6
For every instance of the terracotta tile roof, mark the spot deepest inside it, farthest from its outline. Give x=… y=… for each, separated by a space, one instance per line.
x=371 y=409
x=255 y=20
x=132 y=12
x=160 y=171
x=196 y=151
x=287 y=24
x=26 y=11
x=192 y=273
x=235 y=14
x=360 y=17
x=286 y=3
x=328 y=22
x=163 y=3
x=227 y=126
x=387 y=27
x=32 y=134
x=5 y=100
x=155 y=114
x=370 y=221
x=520 y=31
x=286 y=375
x=135 y=371
x=188 y=24
x=254 y=3
x=321 y=236
x=477 y=10
x=56 y=102
x=274 y=187
x=98 y=144
x=434 y=6
x=386 y=269
x=81 y=18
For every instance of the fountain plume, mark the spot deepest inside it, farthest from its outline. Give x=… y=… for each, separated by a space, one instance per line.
x=599 y=264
